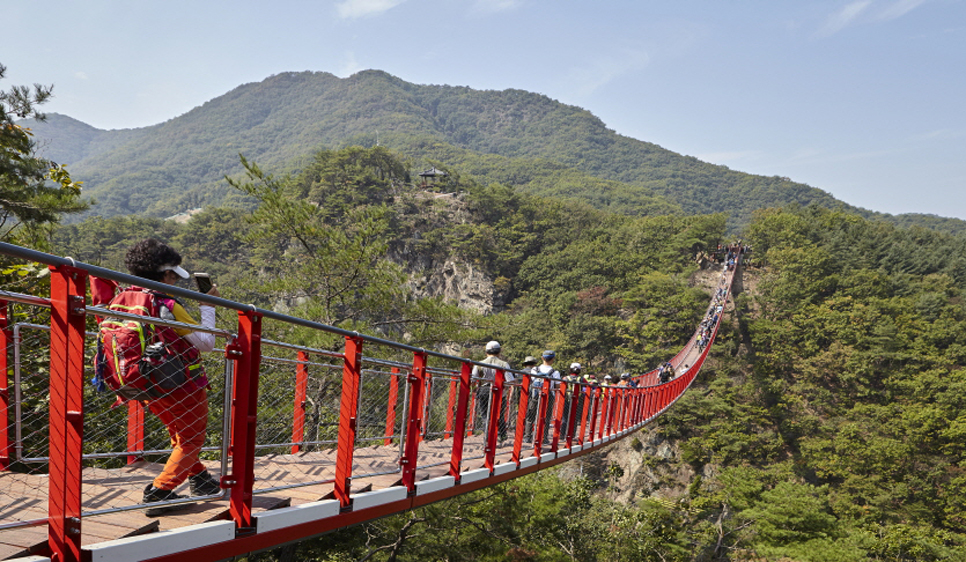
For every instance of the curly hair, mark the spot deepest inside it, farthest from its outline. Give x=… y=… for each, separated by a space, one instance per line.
x=147 y=257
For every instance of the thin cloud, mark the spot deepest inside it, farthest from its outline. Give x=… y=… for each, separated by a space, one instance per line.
x=604 y=70
x=349 y=65
x=844 y=17
x=899 y=9
x=81 y=75
x=806 y=153
x=939 y=134
x=495 y=6
x=352 y=9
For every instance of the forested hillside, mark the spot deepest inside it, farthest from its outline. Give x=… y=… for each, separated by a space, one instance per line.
x=826 y=427
x=520 y=139
x=560 y=269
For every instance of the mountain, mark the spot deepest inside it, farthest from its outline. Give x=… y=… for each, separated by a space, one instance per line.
x=66 y=140
x=513 y=137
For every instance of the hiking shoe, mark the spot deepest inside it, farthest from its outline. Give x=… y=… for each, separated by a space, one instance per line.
x=204 y=484
x=153 y=495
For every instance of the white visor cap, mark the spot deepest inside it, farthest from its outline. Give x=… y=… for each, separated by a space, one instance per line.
x=177 y=269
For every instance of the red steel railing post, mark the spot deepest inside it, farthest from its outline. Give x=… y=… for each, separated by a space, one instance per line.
x=522 y=406
x=615 y=414
x=629 y=411
x=585 y=399
x=604 y=410
x=391 y=406
x=641 y=404
x=638 y=401
x=68 y=286
x=6 y=340
x=246 y=351
x=628 y=407
x=645 y=403
x=348 y=415
x=301 y=398
x=135 y=430
x=575 y=393
x=622 y=410
x=632 y=416
x=538 y=427
x=428 y=393
x=414 y=423
x=616 y=411
x=493 y=424
x=631 y=403
x=595 y=411
x=459 y=427
x=471 y=413
x=560 y=394
x=450 y=403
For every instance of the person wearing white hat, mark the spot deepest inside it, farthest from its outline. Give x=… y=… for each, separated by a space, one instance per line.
x=572 y=378
x=184 y=411
x=486 y=376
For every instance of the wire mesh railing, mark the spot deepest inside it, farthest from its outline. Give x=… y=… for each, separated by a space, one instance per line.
x=104 y=447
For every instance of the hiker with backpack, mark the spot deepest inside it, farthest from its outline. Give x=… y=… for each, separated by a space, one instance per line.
x=485 y=377
x=551 y=376
x=161 y=367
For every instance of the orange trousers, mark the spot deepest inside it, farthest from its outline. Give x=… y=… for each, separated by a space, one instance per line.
x=186 y=418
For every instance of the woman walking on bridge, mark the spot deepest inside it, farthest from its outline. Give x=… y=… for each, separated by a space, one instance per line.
x=184 y=408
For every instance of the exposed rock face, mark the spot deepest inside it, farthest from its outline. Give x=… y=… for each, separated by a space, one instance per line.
x=639 y=466
x=466 y=284
x=462 y=283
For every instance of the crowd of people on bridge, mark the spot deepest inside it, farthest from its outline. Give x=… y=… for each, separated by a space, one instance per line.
x=710 y=320
x=547 y=374
x=728 y=254
x=184 y=412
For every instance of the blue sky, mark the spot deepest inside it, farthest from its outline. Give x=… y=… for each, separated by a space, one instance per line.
x=864 y=99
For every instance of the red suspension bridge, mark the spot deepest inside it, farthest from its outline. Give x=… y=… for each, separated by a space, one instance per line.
x=303 y=441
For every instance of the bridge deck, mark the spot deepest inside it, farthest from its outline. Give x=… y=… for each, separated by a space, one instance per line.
x=125 y=485
x=360 y=408
x=105 y=487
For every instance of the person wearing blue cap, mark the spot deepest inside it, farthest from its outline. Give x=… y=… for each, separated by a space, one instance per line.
x=546 y=370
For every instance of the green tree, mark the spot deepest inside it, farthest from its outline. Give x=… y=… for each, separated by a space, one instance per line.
x=333 y=268
x=34 y=191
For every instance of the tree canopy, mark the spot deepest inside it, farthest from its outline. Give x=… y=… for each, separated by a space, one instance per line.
x=34 y=191
x=827 y=424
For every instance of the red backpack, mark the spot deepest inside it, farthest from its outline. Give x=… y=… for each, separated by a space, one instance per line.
x=143 y=361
